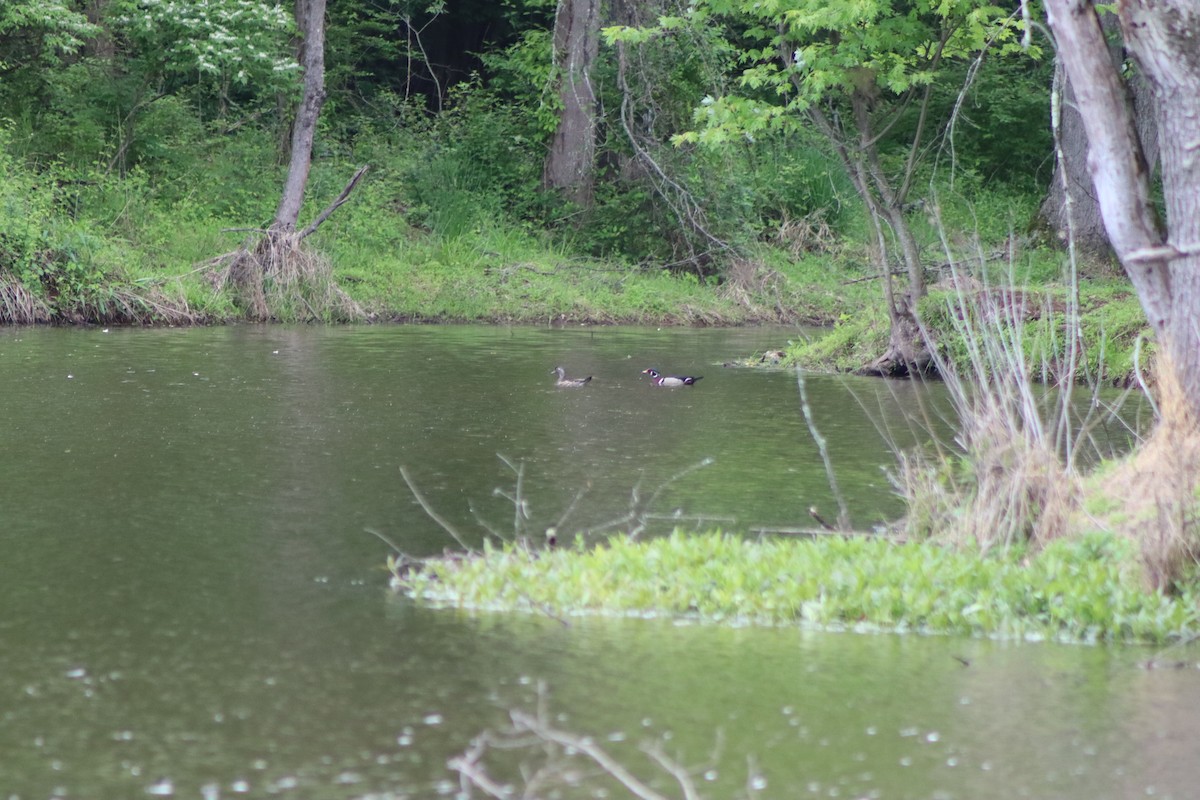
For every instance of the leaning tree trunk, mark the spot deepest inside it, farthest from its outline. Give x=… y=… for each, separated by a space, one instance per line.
x=1164 y=266
x=277 y=256
x=310 y=19
x=907 y=353
x=569 y=165
x=1071 y=175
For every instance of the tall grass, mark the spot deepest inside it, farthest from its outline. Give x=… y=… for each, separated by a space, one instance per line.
x=1025 y=466
x=1009 y=477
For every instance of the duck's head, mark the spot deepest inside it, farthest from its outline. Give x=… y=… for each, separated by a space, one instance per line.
x=653 y=373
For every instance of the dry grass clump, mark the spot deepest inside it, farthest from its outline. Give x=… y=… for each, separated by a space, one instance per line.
x=1019 y=468
x=19 y=306
x=1009 y=477
x=282 y=279
x=808 y=234
x=753 y=285
x=1152 y=497
x=117 y=304
x=1002 y=487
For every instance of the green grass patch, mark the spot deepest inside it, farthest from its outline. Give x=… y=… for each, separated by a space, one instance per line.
x=1084 y=590
x=1110 y=323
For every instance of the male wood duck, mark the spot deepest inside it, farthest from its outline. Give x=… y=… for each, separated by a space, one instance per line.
x=570 y=383
x=671 y=380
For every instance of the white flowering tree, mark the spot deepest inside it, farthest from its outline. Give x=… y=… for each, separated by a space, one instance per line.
x=227 y=42
x=50 y=27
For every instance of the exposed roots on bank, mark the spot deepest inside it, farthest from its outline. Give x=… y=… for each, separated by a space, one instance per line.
x=280 y=278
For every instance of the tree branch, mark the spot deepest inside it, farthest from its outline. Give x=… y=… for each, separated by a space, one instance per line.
x=336 y=204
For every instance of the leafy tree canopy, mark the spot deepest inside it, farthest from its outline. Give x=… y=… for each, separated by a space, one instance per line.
x=798 y=53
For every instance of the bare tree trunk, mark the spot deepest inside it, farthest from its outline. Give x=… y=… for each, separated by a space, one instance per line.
x=1164 y=266
x=907 y=353
x=310 y=20
x=1071 y=171
x=277 y=264
x=1071 y=175
x=570 y=163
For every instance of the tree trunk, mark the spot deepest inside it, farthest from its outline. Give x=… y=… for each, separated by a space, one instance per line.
x=907 y=353
x=1071 y=171
x=277 y=264
x=102 y=46
x=569 y=164
x=1164 y=266
x=310 y=20
x=1071 y=175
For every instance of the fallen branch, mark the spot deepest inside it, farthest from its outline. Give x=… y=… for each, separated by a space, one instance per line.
x=945 y=265
x=557 y=765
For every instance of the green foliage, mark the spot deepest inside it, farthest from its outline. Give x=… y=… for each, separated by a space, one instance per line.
x=66 y=266
x=1002 y=133
x=474 y=165
x=1085 y=589
x=522 y=74
x=1110 y=323
x=167 y=130
x=832 y=49
x=854 y=340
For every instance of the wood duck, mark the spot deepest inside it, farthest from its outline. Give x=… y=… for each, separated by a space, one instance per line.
x=570 y=383
x=671 y=380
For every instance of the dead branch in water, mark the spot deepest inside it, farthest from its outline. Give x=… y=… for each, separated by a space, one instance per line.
x=433 y=515
x=551 y=760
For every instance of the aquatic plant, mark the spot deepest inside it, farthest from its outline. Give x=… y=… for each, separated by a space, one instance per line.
x=1084 y=589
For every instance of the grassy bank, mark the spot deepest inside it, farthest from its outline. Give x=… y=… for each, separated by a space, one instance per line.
x=134 y=250
x=432 y=235
x=132 y=254
x=1084 y=590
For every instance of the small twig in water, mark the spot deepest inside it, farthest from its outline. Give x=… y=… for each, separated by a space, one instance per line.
x=704 y=462
x=471 y=772
x=675 y=770
x=812 y=512
x=487 y=526
x=570 y=508
x=843 y=511
x=385 y=539
x=433 y=515
x=579 y=744
x=520 y=507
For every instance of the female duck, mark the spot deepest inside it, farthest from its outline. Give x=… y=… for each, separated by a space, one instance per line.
x=671 y=380
x=569 y=383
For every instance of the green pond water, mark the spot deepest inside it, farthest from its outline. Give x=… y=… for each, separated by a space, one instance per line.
x=191 y=604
